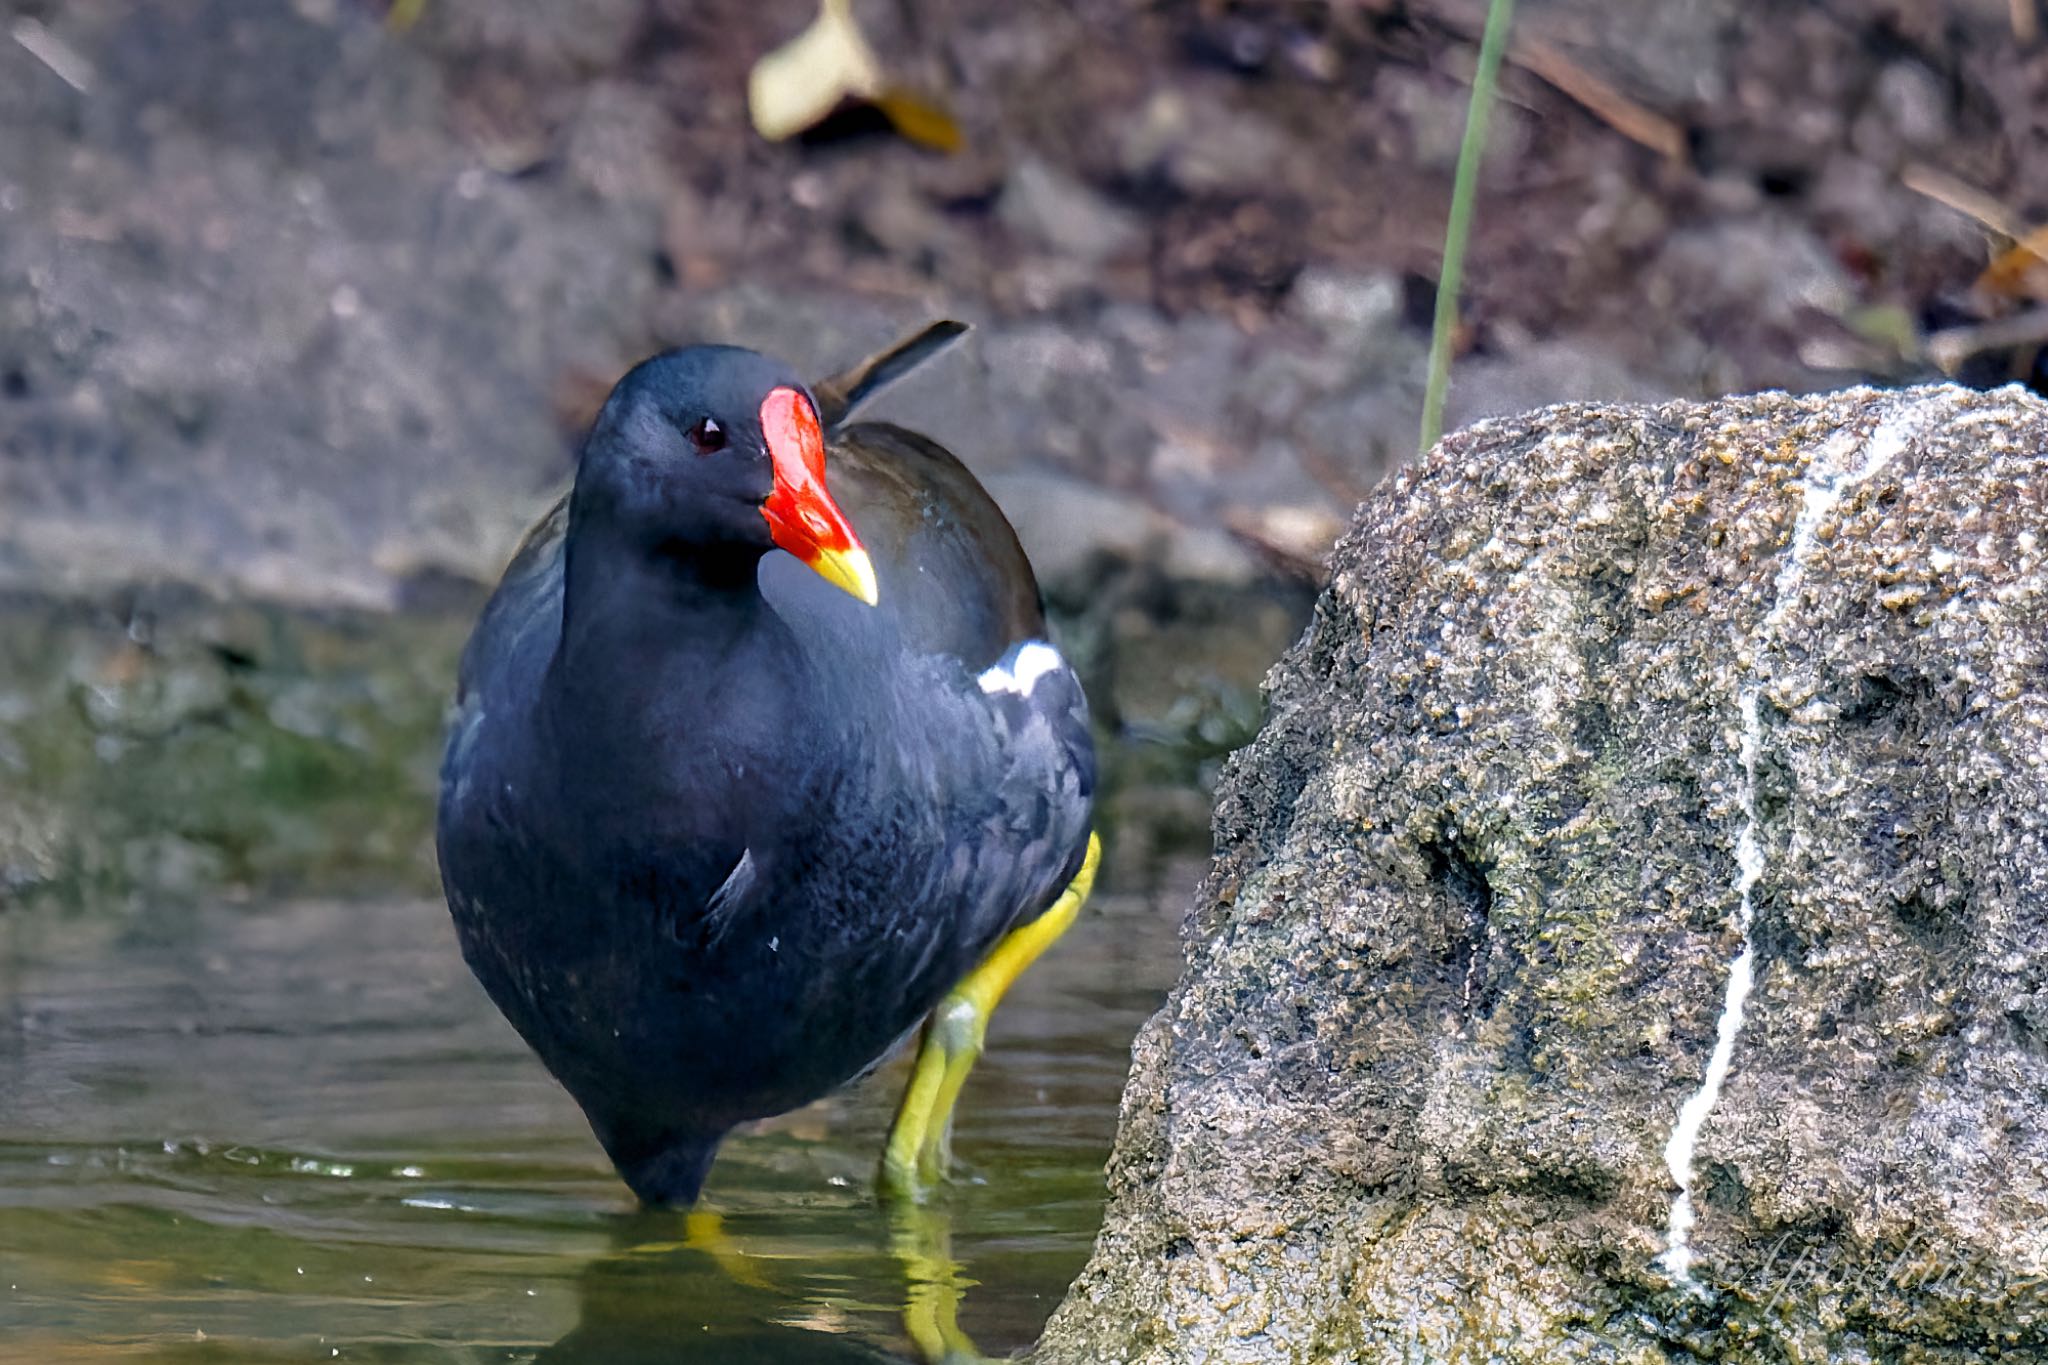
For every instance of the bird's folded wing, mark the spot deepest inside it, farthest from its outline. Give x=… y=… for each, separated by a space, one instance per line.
x=1041 y=714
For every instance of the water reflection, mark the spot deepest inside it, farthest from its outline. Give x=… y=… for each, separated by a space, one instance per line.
x=934 y=1284
x=300 y=1132
x=691 y=1291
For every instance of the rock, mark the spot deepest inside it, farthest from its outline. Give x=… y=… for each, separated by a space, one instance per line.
x=615 y=145
x=903 y=221
x=1202 y=144
x=1750 y=286
x=589 y=36
x=1050 y=208
x=1670 y=56
x=1768 y=265
x=1066 y=526
x=1914 y=101
x=1346 y=306
x=1432 y=108
x=1604 y=707
x=265 y=326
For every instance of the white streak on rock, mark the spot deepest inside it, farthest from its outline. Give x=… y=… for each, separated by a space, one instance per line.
x=1685 y=1136
x=1821 y=492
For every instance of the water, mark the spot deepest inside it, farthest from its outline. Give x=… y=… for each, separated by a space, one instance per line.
x=301 y=1133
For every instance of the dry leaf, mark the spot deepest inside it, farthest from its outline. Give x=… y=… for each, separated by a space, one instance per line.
x=799 y=83
x=920 y=120
x=2020 y=271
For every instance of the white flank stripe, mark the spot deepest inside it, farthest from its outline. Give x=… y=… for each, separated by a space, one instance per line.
x=1034 y=661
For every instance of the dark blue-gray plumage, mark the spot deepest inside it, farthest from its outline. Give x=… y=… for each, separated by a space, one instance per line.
x=715 y=833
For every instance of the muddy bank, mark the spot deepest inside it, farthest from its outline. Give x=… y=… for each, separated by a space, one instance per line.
x=288 y=361
x=271 y=325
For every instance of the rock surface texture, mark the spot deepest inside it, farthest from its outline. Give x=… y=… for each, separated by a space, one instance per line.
x=1608 y=714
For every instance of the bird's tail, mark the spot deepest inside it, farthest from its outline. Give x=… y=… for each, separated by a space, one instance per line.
x=843 y=392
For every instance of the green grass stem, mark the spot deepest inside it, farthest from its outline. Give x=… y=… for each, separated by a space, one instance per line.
x=1464 y=189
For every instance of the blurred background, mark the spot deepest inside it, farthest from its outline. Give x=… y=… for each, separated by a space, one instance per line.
x=303 y=306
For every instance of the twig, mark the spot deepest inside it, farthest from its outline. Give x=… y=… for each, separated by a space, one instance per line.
x=1598 y=96
x=1464 y=190
x=1632 y=119
x=1964 y=198
x=53 y=52
x=1290 y=557
x=1949 y=349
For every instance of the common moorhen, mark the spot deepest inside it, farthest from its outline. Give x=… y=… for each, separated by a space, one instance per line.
x=735 y=796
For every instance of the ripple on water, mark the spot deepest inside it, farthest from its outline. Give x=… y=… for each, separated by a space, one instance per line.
x=302 y=1130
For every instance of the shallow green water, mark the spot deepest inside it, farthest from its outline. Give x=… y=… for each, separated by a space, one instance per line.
x=301 y=1133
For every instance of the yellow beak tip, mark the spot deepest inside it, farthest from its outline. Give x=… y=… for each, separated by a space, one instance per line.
x=850 y=570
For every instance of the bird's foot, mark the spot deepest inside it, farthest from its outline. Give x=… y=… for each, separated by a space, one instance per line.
x=921 y=1141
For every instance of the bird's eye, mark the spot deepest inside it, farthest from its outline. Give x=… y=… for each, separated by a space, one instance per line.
x=707 y=436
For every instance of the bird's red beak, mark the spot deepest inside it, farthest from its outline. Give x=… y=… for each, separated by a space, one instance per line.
x=801 y=515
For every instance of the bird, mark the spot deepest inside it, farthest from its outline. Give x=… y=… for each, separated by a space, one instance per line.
x=760 y=762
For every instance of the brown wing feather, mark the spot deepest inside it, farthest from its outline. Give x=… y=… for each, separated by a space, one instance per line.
x=943 y=550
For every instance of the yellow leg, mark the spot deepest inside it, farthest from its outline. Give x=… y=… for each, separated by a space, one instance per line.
x=920 y=1142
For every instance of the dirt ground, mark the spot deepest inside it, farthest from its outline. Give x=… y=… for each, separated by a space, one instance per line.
x=1197 y=158
x=296 y=305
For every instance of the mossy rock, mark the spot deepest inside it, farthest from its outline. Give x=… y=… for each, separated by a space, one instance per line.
x=1599 y=702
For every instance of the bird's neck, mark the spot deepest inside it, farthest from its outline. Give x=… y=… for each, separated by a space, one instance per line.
x=618 y=592
x=637 y=622
x=662 y=672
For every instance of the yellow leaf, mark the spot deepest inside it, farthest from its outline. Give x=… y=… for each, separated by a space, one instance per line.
x=799 y=83
x=2021 y=271
x=920 y=120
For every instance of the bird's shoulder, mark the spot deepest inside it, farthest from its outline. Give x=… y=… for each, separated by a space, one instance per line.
x=525 y=609
x=953 y=576
x=513 y=640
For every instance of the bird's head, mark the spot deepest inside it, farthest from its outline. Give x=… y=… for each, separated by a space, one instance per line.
x=713 y=451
